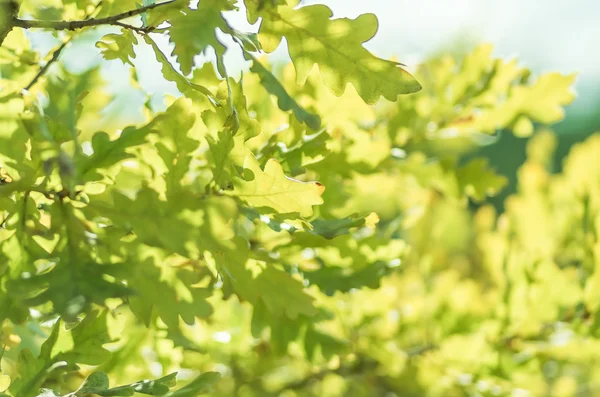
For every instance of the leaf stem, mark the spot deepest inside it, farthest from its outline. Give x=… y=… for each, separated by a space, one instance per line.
x=74 y=25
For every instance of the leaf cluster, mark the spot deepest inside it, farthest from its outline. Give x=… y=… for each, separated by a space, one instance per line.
x=306 y=229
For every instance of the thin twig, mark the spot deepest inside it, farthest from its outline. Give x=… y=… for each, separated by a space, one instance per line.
x=73 y=25
x=45 y=68
x=8 y=12
x=56 y=54
x=140 y=30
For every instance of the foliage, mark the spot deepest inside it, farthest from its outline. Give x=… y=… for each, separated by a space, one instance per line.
x=287 y=233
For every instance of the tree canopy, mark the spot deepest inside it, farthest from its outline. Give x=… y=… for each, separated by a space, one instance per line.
x=314 y=229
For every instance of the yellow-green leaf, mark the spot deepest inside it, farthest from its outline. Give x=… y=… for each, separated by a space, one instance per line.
x=336 y=46
x=271 y=188
x=478 y=181
x=193 y=32
x=118 y=46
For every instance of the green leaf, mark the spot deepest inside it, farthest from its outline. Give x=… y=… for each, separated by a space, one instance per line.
x=98 y=384
x=32 y=371
x=158 y=15
x=87 y=340
x=223 y=117
x=336 y=46
x=13 y=138
x=72 y=287
x=328 y=344
x=68 y=94
x=274 y=289
x=276 y=222
x=97 y=381
x=109 y=152
x=171 y=74
x=544 y=100
x=283 y=329
x=118 y=46
x=332 y=279
x=207 y=223
x=283 y=295
x=273 y=190
x=227 y=146
x=113 y=7
x=201 y=385
x=248 y=41
x=331 y=228
x=309 y=150
x=254 y=8
x=176 y=147
x=4 y=379
x=47 y=393
x=284 y=100
x=237 y=278
x=170 y=294
x=477 y=181
x=193 y=31
x=223 y=158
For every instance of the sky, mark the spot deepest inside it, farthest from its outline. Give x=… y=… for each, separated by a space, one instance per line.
x=545 y=35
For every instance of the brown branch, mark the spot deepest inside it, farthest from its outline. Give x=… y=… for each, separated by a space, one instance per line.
x=74 y=25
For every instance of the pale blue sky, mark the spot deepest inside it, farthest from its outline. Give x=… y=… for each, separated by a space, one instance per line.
x=545 y=35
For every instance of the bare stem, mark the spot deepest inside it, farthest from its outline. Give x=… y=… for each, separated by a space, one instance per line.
x=74 y=25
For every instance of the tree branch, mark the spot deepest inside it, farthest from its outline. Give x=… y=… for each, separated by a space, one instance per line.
x=45 y=68
x=140 y=30
x=74 y=25
x=55 y=55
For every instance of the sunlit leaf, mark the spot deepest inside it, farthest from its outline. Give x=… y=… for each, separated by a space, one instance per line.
x=118 y=46
x=313 y=38
x=271 y=189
